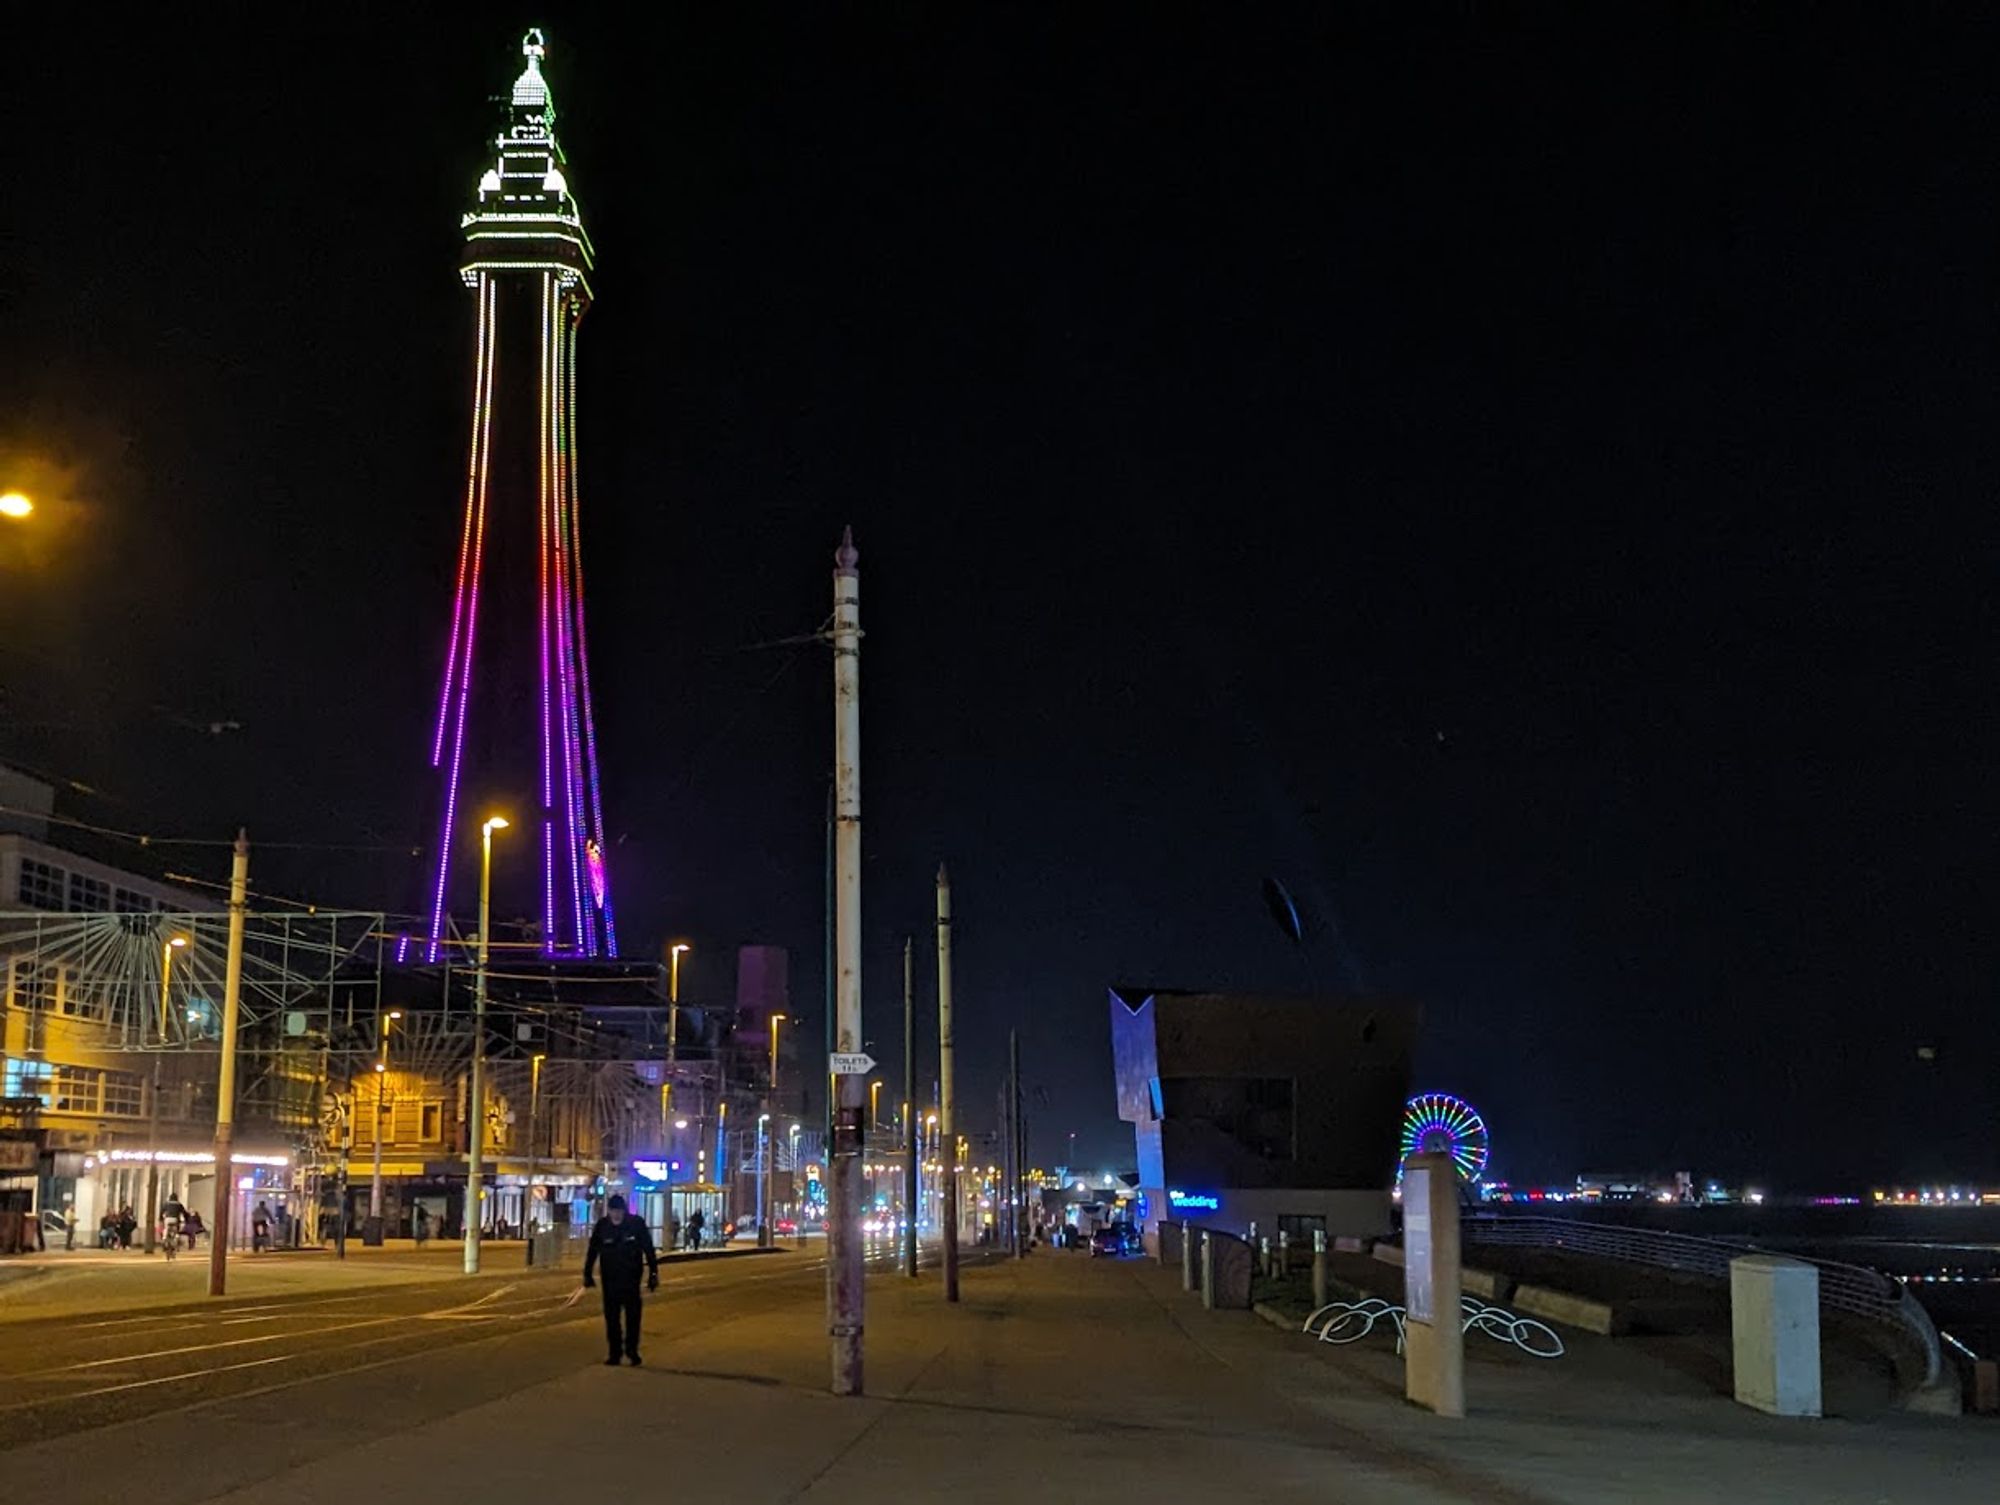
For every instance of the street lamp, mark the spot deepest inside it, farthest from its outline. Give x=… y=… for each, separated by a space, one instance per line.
x=15 y=505
x=534 y=1154
x=167 y=950
x=763 y=1181
x=474 y=1212
x=874 y=1097
x=798 y=1209
x=770 y=1103
x=373 y=1233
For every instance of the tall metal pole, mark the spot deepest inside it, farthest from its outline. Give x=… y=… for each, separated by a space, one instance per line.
x=845 y=1295
x=764 y=1143
x=763 y=1181
x=225 y=1091
x=477 y=1106
x=947 y=1120
x=534 y=1157
x=373 y=1231
x=909 y=1108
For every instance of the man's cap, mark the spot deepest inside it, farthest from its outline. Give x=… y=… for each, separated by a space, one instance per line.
x=615 y=1201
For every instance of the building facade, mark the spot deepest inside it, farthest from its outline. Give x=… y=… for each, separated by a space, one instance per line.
x=1282 y=1112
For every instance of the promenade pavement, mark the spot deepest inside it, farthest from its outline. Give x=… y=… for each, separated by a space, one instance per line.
x=1062 y=1377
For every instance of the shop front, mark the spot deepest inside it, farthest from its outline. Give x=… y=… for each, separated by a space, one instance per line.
x=110 y=1181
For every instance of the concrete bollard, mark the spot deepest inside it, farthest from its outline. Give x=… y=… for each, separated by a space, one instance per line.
x=1187 y=1256
x=1284 y=1270
x=1774 y=1322
x=1319 y=1267
x=1207 y=1273
x=1264 y=1257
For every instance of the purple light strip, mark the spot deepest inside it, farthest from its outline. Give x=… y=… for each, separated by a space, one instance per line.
x=583 y=661
x=564 y=658
x=482 y=442
x=549 y=938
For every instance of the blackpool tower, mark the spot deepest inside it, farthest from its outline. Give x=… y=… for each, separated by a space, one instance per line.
x=514 y=732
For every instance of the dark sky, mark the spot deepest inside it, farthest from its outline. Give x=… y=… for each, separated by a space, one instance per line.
x=1529 y=485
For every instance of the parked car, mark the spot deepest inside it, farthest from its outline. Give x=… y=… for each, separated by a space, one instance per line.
x=1114 y=1239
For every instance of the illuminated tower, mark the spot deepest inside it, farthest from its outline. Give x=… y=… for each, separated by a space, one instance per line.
x=514 y=730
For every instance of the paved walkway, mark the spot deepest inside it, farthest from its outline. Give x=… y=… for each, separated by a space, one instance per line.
x=1064 y=1377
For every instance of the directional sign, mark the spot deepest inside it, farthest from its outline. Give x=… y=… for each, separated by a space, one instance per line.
x=851 y=1063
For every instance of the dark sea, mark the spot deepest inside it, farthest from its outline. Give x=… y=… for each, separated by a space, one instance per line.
x=1947 y=1257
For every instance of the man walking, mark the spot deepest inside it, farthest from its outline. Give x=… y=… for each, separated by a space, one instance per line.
x=624 y=1245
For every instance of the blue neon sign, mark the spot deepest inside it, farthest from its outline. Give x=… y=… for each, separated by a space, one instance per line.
x=1193 y=1201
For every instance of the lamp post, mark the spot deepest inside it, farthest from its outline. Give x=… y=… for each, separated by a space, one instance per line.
x=534 y=1154
x=763 y=1181
x=477 y=1108
x=373 y=1233
x=931 y=1123
x=798 y=1212
x=770 y=1107
x=167 y=950
x=874 y=1103
x=225 y=1082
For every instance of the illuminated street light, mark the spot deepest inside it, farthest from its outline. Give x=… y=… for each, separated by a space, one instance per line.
x=167 y=950
x=475 y=1211
x=15 y=505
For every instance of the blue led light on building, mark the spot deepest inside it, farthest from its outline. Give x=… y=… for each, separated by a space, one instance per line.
x=1191 y=1201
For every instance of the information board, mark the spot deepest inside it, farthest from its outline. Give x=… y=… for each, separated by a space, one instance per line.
x=1418 y=1271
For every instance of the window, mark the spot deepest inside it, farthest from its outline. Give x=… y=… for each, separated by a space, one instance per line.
x=433 y=1122
x=125 y=901
x=26 y=1079
x=1299 y=1227
x=34 y=983
x=42 y=885
x=76 y=1089
x=89 y=895
x=82 y=997
x=123 y=1094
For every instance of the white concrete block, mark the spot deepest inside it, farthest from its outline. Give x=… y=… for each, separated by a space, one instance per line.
x=1774 y=1319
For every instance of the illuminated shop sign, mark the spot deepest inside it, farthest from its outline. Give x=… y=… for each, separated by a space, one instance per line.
x=1194 y=1201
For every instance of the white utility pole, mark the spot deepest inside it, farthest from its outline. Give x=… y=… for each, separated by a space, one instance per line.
x=844 y=1266
x=947 y=1121
x=225 y=1091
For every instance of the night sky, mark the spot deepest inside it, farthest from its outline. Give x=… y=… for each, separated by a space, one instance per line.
x=1529 y=486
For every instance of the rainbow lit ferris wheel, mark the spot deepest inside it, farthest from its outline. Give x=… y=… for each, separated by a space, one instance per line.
x=1438 y=1122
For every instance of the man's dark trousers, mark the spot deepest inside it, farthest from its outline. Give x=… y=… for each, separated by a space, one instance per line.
x=621 y=1301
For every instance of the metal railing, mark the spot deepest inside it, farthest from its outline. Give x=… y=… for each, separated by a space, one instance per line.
x=1860 y=1292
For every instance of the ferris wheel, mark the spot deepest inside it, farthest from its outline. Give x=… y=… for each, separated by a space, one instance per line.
x=1439 y=1122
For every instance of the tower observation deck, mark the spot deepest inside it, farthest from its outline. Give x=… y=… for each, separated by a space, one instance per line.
x=515 y=733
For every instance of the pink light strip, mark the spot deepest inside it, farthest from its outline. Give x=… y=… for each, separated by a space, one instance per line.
x=549 y=937
x=565 y=658
x=586 y=910
x=483 y=446
x=583 y=654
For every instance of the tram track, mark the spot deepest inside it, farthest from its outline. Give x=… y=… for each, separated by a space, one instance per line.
x=61 y=1379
